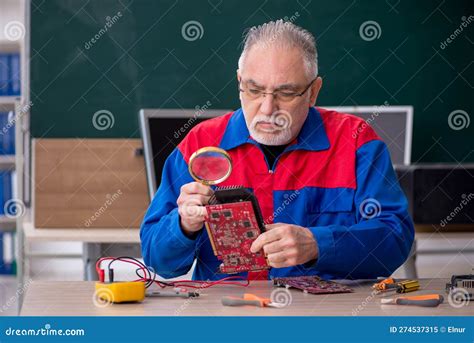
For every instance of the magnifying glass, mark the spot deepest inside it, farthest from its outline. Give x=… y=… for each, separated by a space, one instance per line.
x=210 y=165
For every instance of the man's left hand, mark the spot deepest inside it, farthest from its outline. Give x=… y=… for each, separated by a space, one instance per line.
x=286 y=245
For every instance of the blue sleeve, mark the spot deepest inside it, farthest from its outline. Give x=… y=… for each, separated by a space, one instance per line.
x=382 y=237
x=164 y=245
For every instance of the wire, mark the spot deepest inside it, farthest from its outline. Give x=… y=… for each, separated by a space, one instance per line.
x=149 y=275
x=126 y=259
x=136 y=262
x=229 y=280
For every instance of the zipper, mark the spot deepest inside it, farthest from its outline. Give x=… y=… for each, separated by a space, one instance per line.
x=272 y=169
x=275 y=163
x=287 y=150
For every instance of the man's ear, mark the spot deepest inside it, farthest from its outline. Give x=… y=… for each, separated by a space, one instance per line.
x=315 y=88
x=238 y=81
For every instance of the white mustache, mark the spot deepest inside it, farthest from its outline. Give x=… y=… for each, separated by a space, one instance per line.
x=260 y=118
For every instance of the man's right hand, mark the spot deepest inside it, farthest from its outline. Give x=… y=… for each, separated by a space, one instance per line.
x=191 y=201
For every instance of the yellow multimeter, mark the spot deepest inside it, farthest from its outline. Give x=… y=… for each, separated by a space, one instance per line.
x=120 y=292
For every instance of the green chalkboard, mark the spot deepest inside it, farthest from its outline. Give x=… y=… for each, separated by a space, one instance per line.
x=120 y=56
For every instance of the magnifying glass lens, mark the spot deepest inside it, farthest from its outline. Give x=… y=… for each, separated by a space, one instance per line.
x=210 y=165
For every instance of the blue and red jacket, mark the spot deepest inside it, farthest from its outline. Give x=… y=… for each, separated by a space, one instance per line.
x=336 y=179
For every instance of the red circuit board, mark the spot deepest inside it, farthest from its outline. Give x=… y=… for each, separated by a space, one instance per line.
x=232 y=228
x=312 y=284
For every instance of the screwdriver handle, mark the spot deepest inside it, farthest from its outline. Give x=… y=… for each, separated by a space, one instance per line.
x=429 y=300
x=234 y=301
x=423 y=303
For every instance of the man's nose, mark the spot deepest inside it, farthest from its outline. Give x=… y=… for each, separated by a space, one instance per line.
x=268 y=105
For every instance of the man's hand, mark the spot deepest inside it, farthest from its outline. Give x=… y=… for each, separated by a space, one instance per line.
x=191 y=209
x=286 y=245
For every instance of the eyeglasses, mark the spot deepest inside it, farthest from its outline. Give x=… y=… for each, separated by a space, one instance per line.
x=279 y=95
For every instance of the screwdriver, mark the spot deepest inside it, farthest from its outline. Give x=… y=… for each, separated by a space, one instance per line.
x=174 y=293
x=250 y=299
x=408 y=286
x=400 y=287
x=429 y=300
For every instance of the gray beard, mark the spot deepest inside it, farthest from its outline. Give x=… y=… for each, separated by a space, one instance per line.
x=280 y=138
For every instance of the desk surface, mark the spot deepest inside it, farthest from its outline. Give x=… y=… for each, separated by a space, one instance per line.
x=76 y=299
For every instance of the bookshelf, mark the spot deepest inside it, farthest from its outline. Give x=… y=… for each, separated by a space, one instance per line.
x=12 y=56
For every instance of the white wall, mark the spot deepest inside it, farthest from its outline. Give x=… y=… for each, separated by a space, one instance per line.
x=10 y=10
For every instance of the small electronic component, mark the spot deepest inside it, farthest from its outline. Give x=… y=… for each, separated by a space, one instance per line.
x=312 y=284
x=234 y=222
x=176 y=292
x=462 y=285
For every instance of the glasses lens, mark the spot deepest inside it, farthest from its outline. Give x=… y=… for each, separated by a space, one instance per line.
x=253 y=93
x=284 y=96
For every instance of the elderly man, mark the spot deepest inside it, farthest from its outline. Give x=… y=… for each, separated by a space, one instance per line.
x=324 y=180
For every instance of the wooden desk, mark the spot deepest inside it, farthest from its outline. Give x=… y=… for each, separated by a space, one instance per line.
x=76 y=299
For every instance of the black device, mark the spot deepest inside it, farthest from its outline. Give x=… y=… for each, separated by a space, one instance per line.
x=464 y=283
x=233 y=194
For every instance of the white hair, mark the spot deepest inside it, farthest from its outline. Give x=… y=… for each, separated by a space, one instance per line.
x=285 y=34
